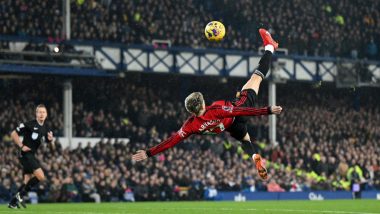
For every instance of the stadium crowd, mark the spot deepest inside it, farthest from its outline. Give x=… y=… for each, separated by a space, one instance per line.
x=348 y=28
x=328 y=139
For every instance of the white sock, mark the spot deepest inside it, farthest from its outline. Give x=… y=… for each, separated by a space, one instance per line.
x=269 y=48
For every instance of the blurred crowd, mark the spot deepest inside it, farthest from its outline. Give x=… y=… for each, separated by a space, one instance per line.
x=348 y=28
x=328 y=139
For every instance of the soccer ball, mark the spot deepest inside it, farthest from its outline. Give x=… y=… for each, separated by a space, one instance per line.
x=215 y=31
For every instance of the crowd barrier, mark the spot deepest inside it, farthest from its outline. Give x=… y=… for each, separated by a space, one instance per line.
x=315 y=195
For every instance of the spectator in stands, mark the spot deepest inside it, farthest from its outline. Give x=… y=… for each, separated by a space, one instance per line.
x=318 y=27
x=90 y=193
x=274 y=187
x=322 y=149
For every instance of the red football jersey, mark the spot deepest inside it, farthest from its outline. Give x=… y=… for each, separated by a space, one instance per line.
x=218 y=117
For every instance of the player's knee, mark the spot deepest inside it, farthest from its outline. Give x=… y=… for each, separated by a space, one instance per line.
x=27 y=178
x=253 y=83
x=40 y=176
x=256 y=79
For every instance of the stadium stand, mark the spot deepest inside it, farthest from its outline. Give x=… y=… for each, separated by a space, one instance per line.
x=339 y=147
x=348 y=28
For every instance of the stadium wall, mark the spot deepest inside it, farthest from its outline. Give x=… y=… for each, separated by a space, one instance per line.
x=75 y=141
x=317 y=195
x=88 y=140
x=215 y=62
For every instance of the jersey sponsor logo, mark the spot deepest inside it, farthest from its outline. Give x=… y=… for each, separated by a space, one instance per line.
x=205 y=125
x=227 y=108
x=34 y=135
x=182 y=133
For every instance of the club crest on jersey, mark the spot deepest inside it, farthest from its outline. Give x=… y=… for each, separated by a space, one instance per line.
x=227 y=108
x=34 y=135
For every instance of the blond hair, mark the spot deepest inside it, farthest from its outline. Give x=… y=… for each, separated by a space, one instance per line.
x=194 y=102
x=41 y=106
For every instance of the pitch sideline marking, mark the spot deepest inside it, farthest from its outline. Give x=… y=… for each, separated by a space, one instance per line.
x=21 y=210
x=319 y=211
x=222 y=209
x=283 y=210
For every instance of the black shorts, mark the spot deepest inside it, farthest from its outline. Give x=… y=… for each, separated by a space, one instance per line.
x=29 y=163
x=247 y=98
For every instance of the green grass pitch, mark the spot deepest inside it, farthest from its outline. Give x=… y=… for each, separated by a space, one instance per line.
x=267 y=207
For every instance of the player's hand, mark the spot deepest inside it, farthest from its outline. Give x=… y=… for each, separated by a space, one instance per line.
x=276 y=109
x=140 y=155
x=50 y=136
x=25 y=149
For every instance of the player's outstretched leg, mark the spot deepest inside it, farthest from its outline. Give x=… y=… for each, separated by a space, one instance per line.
x=254 y=83
x=251 y=149
x=13 y=204
x=263 y=173
x=30 y=180
x=20 y=199
x=259 y=74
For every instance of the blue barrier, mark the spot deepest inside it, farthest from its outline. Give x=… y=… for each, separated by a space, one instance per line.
x=315 y=195
x=184 y=60
x=371 y=195
x=50 y=70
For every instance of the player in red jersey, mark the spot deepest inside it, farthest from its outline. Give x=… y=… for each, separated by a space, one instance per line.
x=225 y=115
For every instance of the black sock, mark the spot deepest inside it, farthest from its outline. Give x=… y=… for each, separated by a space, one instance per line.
x=21 y=188
x=13 y=200
x=31 y=183
x=264 y=64
x=249 y=147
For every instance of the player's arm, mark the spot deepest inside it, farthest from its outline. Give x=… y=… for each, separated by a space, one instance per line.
x=50 y=139
x=15 y=135
x=16 y=139
x=164 y=145
x=233 y=111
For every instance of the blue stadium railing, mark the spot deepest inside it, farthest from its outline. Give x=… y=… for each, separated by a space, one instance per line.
x=115 y=57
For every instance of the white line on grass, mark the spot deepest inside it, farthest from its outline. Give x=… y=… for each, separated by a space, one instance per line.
x=66 y=212
x=253 y=209
x=212 y=209
x=318 y=211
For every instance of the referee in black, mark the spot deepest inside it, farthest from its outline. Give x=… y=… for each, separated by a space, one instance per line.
x=34 y=132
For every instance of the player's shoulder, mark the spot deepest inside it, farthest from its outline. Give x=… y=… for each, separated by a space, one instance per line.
x=189 y=124
x=189 y=120
x=218 y=104
x=30 y=123
x=25 y=125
